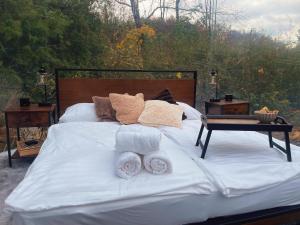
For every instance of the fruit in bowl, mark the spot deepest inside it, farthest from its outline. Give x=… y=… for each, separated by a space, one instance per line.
x=265 y=115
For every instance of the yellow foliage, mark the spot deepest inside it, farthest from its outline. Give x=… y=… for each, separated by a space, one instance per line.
x=134 y=38
x=128 y=51
x=179 y=75
x=261 y=71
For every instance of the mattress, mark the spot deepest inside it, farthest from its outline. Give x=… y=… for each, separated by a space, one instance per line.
x=76 y=167
x=191 y=194
x=168 y=211
x=238 y=162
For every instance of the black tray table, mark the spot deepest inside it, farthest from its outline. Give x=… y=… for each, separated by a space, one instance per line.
x=245 y=123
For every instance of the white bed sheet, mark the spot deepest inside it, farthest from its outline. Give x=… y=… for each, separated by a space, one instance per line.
x=164 y=208
x=238 y=162
x=169 y=211
x=76 y=167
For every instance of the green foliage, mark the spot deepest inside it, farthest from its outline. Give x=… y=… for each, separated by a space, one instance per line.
x=50 y=33
x=75 y=33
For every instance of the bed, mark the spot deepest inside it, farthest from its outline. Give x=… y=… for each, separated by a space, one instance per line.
x=72 y=182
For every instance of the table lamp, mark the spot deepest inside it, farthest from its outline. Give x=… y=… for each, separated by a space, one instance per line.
x=214 y=81
x=43 y=75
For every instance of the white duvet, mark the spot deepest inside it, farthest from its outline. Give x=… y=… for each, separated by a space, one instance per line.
x=76 y=167
x=237 y=162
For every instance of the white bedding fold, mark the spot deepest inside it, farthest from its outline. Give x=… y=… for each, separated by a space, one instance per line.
x=76 y=167
x=236 y=179
x=137 y=138
x=238 y=162
x=158 y=163
x=128 y=164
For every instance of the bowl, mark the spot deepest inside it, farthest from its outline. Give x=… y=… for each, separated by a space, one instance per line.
x=266 y=117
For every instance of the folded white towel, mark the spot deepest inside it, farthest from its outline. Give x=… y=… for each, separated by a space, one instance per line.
x=138 y=138
x=158 y=163
x=128 y=164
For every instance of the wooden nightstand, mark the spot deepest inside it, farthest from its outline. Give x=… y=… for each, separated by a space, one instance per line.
x=28 y=116
x=234 y=107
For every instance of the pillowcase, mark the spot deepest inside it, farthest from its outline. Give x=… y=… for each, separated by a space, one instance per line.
x=166 y=95
x=128 y=108
x=190 y=112
x=80 y=112
x=157 y=113
x=103 y=108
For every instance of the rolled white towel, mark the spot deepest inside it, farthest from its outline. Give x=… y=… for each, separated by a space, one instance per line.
x=138 y=138
x=128 y=164
x=158 y=163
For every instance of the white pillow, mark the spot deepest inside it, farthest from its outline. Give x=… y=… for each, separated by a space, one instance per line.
x=190 y=112
x=80 y=112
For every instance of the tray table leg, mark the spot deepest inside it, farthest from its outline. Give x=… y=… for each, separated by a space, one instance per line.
x=287 y=149
x=288 y=146
x=206 y=144
x=270 y=139
x=200 y=134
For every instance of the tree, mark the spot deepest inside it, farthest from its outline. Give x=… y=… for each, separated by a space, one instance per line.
x=177 y=2
x=51 y=33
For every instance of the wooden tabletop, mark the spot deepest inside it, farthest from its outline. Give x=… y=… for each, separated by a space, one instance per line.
x=242 y=122
x=30 y=108
x=234 y=101
x=233 y=121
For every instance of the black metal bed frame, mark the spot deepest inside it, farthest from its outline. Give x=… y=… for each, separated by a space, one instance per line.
x=226 y=220
x=57 y=70
x=247 y=218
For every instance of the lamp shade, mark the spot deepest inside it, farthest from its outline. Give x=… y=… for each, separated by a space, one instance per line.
x=42 y=73
x=213 y=74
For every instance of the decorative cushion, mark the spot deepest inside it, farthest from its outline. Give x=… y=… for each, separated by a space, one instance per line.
x=128 y=108
x=157 y=113
x=166 y=95
x=103 y=108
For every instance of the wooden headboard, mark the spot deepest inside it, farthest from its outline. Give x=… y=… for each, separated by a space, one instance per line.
x=72 y=90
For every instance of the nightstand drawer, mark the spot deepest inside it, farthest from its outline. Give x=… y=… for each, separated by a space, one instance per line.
x=28 y=119
x=236 y=109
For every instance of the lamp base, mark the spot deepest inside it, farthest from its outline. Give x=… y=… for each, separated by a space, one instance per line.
x=41 y=104
x=214 y=100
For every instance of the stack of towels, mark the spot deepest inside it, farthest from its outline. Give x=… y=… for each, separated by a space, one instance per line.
x=138 y=147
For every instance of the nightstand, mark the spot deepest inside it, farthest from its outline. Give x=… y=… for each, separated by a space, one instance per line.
x=234 y=107
x=27 y=116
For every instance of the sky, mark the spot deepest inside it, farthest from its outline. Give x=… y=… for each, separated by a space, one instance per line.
x=277 y=18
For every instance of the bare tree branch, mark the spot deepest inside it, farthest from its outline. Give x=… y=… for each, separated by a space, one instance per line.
x=123 y=3
x=153 y=11
x=193 y=10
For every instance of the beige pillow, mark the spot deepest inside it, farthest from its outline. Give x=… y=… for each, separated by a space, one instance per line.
x=157 y=113
x=128 y=108
x=103 y=108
